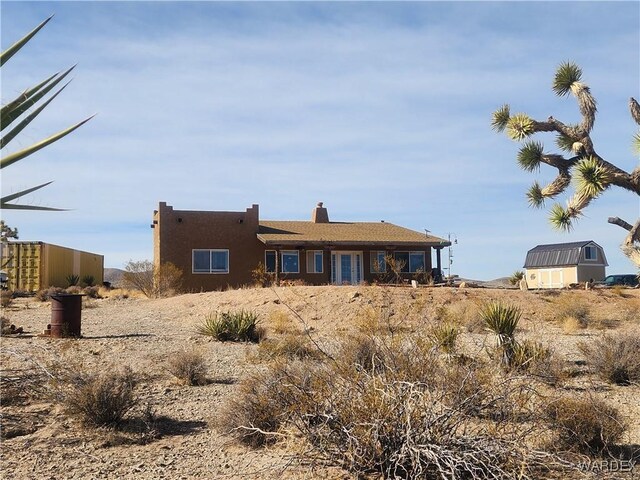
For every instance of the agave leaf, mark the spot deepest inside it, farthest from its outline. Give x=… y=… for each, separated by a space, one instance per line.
x=14 y=206
x=23 y=97
x=24 y=106
x=18 y=128
x=13 y=49
x=14 y=157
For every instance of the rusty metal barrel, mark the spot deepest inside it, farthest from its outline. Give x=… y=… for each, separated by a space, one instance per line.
x=66 y=315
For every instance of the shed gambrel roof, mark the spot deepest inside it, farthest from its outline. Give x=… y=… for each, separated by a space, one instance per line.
x=559 y=254
x=343 y=233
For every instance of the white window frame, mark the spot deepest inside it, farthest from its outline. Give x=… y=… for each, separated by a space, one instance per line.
x=210 y=250
x=311 y=261
x=282 y=263
x=374 y=256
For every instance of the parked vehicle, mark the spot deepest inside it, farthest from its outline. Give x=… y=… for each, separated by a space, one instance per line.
x=629 y=280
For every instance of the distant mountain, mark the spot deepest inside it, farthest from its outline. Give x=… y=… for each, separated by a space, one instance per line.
x=113 y=275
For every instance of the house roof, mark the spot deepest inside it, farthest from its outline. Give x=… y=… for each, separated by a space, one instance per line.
x=381 y=234
x=558 y=254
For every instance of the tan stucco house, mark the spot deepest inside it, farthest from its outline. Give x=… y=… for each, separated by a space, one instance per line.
x=559 y=265
x=216 y=250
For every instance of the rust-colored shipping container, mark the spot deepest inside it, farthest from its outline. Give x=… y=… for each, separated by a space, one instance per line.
x=33 y=266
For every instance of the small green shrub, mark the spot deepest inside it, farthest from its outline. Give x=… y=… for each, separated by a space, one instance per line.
x=238 y=326
x=584 y=425
x=72 y=280
x=444 y=337
x=189 y=367
x=99 y=399
x=615 y=359
x=88 y=280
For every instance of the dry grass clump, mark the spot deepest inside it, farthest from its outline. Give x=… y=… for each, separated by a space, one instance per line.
x=584 y=425
x=615 y=358
x=573 y=311
x=98 y=399
x=237 y=326
x=281 y=322
x=188 y=367
x=290 y=347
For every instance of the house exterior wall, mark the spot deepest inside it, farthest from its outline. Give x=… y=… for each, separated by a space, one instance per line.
x=178 y=232
x=588 y=272
x=560 y=277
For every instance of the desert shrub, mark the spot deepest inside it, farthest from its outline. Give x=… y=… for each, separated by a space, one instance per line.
x=45 y=294
x=88 y=280
x=92 y=291
x=261 y=277
x=5 y=324
x=515 y=277
x=615 y=359
x=267 y=400
x=290 y=346
x=378 y=421
x=6 y=298
x=238 y=326
x=584 y=425
x=153 y=281
x=98 y=399
x=189 y=367
x=72 y=280
x=362 y=352
x=74 y=289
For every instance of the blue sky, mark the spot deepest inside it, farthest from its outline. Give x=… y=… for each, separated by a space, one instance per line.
x=380 y=110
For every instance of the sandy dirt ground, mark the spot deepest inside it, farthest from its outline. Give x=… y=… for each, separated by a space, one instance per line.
x=40 y=442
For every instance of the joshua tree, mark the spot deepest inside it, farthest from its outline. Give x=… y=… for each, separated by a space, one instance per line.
x=18 y=115
x=591 y=173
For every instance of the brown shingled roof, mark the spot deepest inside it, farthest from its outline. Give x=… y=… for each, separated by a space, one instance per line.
x=342 y=233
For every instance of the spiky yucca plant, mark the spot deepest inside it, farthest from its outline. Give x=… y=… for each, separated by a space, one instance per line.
x=17 y=114
x=591 y=173
x=502 y=320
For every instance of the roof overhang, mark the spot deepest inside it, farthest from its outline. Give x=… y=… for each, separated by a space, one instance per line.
x=340 y=243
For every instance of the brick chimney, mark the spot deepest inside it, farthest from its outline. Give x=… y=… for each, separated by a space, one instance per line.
x=320 y=214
